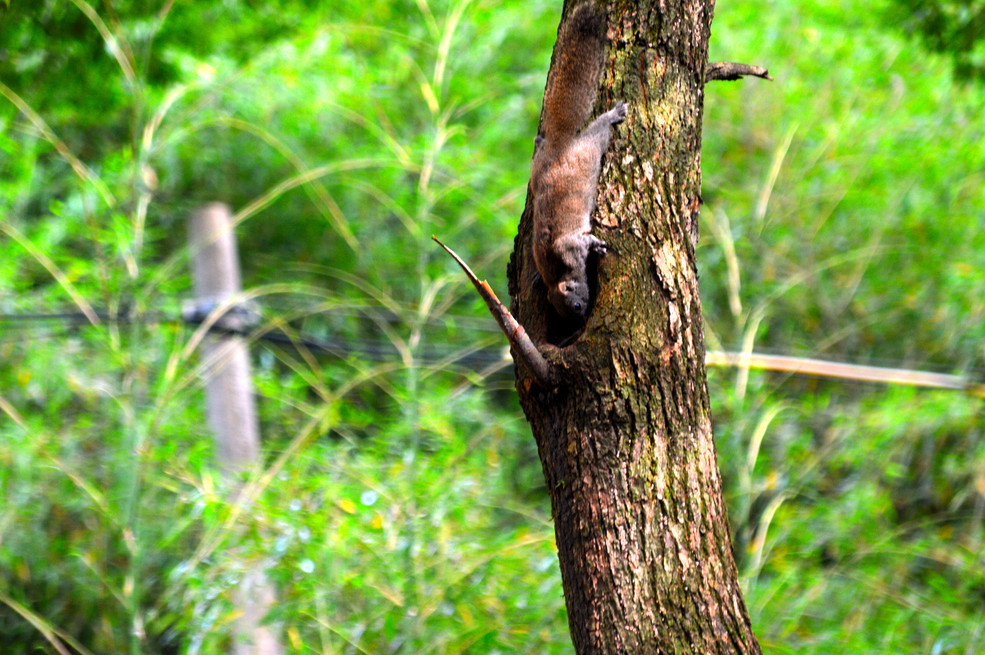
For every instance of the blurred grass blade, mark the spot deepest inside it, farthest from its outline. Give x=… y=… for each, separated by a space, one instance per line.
x=53 y=635
x=48 y=135
x=55 y=272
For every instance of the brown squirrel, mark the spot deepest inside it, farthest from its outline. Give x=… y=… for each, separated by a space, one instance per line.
x=567 y=160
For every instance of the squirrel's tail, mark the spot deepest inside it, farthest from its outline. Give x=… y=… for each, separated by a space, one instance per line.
x=575 y=70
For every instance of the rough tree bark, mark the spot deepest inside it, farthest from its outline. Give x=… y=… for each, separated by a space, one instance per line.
x=626 y=440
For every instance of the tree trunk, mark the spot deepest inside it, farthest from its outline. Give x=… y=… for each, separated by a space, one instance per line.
x=626 y=440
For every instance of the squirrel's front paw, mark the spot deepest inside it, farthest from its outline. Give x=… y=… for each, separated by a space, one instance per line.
x=598 y=246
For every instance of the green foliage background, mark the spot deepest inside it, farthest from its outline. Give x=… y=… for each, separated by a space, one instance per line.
x=400 y=505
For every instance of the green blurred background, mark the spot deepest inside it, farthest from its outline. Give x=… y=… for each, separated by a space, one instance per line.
x=401 y=506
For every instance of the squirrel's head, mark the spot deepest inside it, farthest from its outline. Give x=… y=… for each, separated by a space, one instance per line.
x=570 y=298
